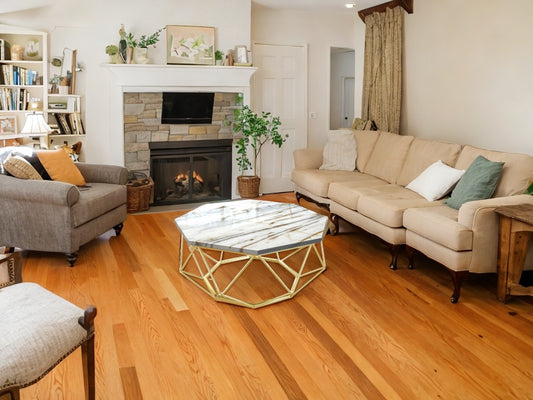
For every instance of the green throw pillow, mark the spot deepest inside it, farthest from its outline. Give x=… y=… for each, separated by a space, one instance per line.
x=478 y=182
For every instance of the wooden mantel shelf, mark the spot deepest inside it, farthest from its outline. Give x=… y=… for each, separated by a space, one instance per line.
x=407 y=5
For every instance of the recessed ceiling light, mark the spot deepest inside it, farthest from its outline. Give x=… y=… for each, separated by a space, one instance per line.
x=350 y=5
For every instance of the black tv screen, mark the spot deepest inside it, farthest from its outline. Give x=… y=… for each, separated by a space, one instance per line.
x=187 y=108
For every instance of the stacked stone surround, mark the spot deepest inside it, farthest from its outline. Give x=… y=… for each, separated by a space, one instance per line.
x=142 y=125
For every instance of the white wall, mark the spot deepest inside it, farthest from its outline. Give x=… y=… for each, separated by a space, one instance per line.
x=469 y=73
x=320 y=31
x=89 y=26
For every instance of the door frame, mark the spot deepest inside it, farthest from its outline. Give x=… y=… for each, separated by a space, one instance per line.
x=343 y=98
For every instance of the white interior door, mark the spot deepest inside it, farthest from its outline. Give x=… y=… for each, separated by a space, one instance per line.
x=280 y=86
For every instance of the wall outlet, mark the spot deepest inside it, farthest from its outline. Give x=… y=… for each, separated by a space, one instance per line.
x=312 y=115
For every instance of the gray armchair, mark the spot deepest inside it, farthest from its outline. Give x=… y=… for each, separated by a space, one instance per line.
x=53 y=216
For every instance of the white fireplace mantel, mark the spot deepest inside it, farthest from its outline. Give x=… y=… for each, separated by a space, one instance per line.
x=159 y=78
x=128 y=78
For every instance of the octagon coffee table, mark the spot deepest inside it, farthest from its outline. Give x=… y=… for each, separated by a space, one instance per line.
x=251 y=253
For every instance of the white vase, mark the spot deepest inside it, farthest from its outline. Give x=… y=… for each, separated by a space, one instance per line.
x=140 y=55
x=63 y=89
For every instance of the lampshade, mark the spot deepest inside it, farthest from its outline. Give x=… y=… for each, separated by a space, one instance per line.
x=35 y=123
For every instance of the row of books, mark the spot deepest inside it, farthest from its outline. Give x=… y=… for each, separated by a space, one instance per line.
x=69 y=123
x=14 y=99
x=15 y=75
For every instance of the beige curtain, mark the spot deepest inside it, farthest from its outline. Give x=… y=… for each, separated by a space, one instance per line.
x=382 y=80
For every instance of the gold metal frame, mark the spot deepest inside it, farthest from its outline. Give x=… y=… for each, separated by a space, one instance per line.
x=206 y=273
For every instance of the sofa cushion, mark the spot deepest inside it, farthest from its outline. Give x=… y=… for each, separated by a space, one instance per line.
x=439 y=224
x=60 y=167
x=435 y=181
x=388 y=156
x=422 y=153
x=25 y=152
x=516 y=174
x=478 y=182
x=317 y=181
x=386 y=204
x=366 y=140
x=347 y=194
x=96 y=200
x=20 y=168
x=340 y=152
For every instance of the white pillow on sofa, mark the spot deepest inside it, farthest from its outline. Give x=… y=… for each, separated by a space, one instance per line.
x=340 y=152
x=436 y=181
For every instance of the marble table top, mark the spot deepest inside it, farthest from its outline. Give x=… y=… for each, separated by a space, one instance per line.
x=252 y=227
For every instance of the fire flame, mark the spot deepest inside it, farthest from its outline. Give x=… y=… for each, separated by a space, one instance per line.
x=184 y=177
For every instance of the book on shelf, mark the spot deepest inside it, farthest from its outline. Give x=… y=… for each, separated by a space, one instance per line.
x=69 y=123
x=15 y=75
x=14 y=99
x=5 y=52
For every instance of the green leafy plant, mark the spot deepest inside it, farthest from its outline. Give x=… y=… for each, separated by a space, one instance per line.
x=145 y=41
x=219 y=55
x=111 y=49
x=256 y=131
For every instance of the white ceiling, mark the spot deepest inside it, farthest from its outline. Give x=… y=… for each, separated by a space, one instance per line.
x=316 y=4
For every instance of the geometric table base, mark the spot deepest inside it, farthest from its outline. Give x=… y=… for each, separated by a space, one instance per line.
x=279 y=276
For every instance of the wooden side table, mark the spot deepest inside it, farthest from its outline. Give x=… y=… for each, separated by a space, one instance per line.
x=516 y=226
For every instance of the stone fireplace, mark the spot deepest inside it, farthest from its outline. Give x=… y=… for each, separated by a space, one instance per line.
x=135 y=108
x=142 y=126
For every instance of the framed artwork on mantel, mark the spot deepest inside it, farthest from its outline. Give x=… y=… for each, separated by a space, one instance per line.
x=190 y=45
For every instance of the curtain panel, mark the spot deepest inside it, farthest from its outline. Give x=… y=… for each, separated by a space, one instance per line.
x=382 y=79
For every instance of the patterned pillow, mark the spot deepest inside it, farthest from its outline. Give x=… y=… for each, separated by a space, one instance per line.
x=25 y=152
x=20 y=168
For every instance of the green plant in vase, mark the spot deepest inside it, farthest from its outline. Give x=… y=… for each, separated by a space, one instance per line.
x=256 y=130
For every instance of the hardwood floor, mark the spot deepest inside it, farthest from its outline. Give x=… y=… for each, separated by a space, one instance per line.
x=359 y=331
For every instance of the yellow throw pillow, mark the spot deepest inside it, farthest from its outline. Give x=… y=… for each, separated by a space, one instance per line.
x=60 y=167
x=20 y=168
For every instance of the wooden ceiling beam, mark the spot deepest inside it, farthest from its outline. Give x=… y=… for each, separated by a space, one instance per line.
x=407 y=5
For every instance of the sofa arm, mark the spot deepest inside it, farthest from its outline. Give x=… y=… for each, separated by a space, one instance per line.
x=470 y=212
x=104 y=173
x=308 y=158
x=48 y=192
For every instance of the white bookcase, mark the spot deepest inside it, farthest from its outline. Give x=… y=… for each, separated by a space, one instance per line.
x=65 y=118
x=23 y=75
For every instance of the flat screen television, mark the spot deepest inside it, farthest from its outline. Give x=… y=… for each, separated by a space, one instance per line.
x=187 y=108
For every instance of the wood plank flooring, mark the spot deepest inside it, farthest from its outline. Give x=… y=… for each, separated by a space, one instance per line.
x=359 y=331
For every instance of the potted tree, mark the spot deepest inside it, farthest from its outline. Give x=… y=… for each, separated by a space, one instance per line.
x=256 y=130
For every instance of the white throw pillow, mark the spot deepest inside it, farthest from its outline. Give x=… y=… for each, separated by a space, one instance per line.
x=436 y=181
x=340 y=152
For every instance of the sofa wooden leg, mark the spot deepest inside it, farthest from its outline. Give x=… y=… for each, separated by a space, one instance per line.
x=395 y=250
x=118 y=228
x=410 y=257
x=87 y=352
x=334 y=218
x=71 y=258
x=458 y=278
x=298 y=197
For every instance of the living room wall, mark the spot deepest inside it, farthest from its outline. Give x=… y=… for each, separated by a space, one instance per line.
x=469 y=73
x=320 y=30
x=90 y=26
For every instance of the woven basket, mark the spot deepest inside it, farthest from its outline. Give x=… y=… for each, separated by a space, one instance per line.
x=248 y=186
x=139 y=194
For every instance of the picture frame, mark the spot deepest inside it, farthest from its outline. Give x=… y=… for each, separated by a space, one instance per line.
x=193 y=45
x=8 y=125
x=63 y=124
x=241 y=55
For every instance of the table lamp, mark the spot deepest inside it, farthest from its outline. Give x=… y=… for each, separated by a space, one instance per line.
x=36 y=125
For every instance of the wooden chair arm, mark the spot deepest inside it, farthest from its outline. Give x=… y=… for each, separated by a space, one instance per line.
x=10 y=269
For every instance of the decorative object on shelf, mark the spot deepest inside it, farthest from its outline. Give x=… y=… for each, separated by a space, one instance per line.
x=68 y=68
x=54 y=83
x=241 y=55
x=219 y=57
x=131 y=49
x=5 y=51
x=63 y=85
x=229 y=59
x=113 y=52
x=32 y=50
x=17 y=52
x=8 y=125
x=190 y=45
x=35 y=124
x=256 y=131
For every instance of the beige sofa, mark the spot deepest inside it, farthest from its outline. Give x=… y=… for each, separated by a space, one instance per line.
x=374 y=198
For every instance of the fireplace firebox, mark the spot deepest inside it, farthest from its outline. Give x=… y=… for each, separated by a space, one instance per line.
x=191 y=171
